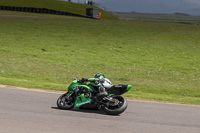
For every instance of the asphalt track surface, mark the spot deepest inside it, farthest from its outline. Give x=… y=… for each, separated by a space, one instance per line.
x=29 y=111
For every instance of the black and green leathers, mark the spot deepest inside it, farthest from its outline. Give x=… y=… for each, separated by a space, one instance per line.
x=101 y=83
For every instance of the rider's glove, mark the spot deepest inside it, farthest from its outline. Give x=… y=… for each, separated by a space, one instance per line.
x=84 y=80
x=96 y=81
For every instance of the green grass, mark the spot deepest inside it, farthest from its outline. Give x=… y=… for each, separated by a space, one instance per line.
x=55 y=5
x=160 y=60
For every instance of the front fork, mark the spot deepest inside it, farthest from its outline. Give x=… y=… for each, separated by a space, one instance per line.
x=69 y=94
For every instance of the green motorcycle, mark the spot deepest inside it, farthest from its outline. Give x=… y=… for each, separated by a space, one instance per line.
x=82 y=95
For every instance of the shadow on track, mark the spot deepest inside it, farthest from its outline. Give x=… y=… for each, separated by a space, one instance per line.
x=95 y=111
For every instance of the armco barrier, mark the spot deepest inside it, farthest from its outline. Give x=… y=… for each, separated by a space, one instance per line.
x=40 y=10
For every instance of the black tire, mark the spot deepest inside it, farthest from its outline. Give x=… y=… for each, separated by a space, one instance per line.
x=64 y=103
x=119 y=108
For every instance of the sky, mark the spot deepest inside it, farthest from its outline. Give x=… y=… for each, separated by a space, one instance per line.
x=191 y=7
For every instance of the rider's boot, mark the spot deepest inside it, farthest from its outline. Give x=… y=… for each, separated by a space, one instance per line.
x=103 y=94
x=102 y=91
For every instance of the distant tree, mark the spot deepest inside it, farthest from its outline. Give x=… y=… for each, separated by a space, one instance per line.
x=133 y=12
x=69 y=0
x=181 y=14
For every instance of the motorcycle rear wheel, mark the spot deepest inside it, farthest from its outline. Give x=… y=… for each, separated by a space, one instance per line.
x=116 y=108
x=65 y=103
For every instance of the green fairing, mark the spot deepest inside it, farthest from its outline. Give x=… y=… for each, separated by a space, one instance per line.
x=72 y=85
x=129 y=87
x=85 y=86
x=81 y=100
x=75 y=84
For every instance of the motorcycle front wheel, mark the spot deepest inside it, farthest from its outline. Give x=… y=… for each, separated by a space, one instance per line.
x=116 y=107
x=65 y=102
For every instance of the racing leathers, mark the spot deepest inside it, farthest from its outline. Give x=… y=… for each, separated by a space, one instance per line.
x=101 y=83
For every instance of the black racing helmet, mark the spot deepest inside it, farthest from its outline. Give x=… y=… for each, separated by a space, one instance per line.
x=99 y=75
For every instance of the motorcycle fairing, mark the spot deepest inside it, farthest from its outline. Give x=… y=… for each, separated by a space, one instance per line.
x=81 y=100
x=76 y=84
x=118 y=89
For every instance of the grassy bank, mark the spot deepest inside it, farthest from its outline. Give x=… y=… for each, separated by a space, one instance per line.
x=55 y=5
x=160 y=60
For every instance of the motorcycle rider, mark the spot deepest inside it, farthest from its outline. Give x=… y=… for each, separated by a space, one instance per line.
x=101 y=82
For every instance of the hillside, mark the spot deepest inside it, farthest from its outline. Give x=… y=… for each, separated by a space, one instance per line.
x=55 y=5
x=175 y=16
